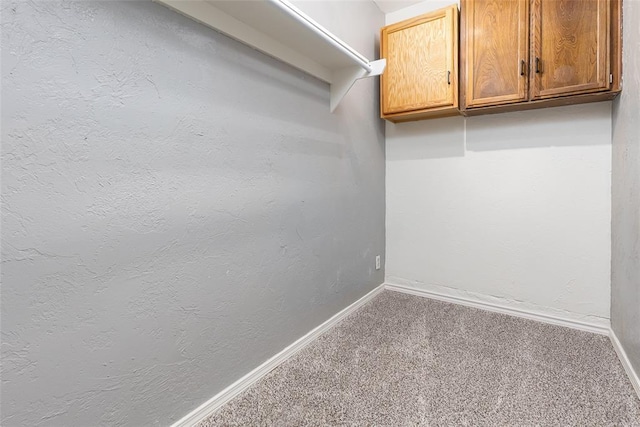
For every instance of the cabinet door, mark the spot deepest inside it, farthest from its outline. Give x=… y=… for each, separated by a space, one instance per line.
x=570 y=51
x=495 y=44
x=422 y=62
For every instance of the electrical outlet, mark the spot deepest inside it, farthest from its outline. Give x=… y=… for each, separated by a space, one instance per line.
x=377 y=262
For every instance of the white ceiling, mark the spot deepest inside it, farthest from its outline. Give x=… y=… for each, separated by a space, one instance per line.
x=388 y=6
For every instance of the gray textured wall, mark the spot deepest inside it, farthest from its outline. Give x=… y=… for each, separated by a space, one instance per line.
x=625 y=284
x=177 y=207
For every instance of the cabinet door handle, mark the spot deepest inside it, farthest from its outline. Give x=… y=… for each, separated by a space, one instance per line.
x=448 y=77
x=523 y=67
x=538 y=70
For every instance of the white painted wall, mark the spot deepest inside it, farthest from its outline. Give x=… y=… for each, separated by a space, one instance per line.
x=625 y=295
x=510 y=209
x=176 y=207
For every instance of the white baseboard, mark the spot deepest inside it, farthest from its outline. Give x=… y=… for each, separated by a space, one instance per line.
x=622 y=355
x=213 y=404
x=598 y=326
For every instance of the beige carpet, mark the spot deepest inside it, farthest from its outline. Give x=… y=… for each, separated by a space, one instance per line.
x=405 y=360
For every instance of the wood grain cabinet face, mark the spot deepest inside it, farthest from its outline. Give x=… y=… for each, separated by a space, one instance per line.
x=496 y=51
x=570 y=52
x=422 y=66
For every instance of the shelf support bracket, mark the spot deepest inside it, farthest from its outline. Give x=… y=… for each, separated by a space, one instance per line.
x=342 y=80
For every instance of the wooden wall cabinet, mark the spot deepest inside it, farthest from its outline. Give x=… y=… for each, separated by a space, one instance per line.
x=421 y=78
x=524 y=54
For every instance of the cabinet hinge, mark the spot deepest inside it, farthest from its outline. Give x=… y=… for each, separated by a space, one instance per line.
x=610 y=78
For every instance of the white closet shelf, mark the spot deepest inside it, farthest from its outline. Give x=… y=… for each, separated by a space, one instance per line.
x=281 y=30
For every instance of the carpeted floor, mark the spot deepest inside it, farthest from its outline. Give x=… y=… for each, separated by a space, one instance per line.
x=406 y=360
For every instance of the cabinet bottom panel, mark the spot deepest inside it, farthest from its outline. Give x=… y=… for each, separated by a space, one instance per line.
x=422 y=114
x=542 y=103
